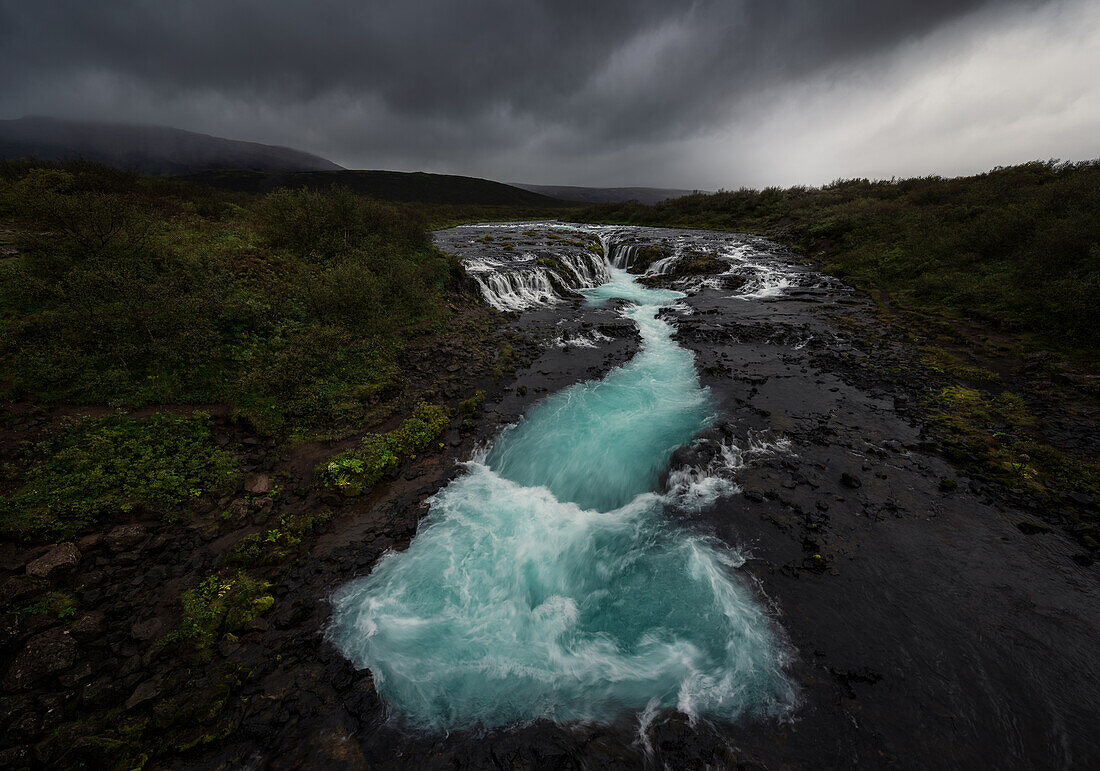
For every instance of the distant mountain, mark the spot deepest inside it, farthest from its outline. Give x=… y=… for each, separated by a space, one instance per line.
x=646 y=195
x=149 y=150
x=386 y=185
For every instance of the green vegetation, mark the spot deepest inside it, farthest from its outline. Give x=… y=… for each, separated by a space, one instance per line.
x=60 y=605
x=472 y=406
x=507 y=360
x=353 y=471
x=553 y=263
x=291 y=307
x=97 y=467
x=947 y=363
x=468 y=409
x=198 y=712
x=1017 y=247
x=989 y=433
x=276 y=544
x=418 y=187
x=700 y=265
x=219 y=605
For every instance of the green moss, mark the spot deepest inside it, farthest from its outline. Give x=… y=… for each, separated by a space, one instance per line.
x=471 y=406
x=648 y=255
x=507 y=360
x=700 y=265
x=947 y=363
x=991 y=433
x=98 y=467
x=553 y=263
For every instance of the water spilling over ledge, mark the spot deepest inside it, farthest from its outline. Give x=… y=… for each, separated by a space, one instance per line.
x=527 y=265
x=548 y=580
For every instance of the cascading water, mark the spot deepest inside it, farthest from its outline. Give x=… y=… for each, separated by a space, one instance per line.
x=550 y=267
x=548 y=582
x=543 y=276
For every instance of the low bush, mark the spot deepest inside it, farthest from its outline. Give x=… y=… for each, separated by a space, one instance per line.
x=277 y=543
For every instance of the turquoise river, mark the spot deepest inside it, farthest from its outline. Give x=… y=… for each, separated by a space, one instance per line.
x=549 y=581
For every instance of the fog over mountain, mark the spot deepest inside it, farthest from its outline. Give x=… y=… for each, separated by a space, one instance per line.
x=703 y=94
x=152 y=150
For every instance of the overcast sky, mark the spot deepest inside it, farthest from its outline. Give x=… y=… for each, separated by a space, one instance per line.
x=589 y=92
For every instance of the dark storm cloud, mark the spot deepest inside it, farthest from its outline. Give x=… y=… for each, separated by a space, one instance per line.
x=439 y=83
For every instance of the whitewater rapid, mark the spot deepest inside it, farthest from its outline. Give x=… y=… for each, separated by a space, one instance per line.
x=548 y=580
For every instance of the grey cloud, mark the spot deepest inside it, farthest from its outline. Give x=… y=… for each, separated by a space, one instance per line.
x=502 y=86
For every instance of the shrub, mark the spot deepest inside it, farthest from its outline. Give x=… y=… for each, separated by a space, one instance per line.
x=130 y=291
x=471 y=406
x=321 y=225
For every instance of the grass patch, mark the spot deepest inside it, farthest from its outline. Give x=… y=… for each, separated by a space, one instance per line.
x=990 y=434
x=96 y=468
x=947 y=363
x=60 y=605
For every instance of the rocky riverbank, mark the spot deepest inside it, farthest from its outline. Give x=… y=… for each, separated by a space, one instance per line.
x=92 y=677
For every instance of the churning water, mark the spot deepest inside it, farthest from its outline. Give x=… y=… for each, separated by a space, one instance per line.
x=548 y=582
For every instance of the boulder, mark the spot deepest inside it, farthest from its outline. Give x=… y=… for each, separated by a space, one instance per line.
x=258 y=484
x=58 y=561
x=90 y=542
x=90 y=626
x=46 y=654
x=144 y=693
x=20 y=589
x=147 y=629
x=125 y=537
